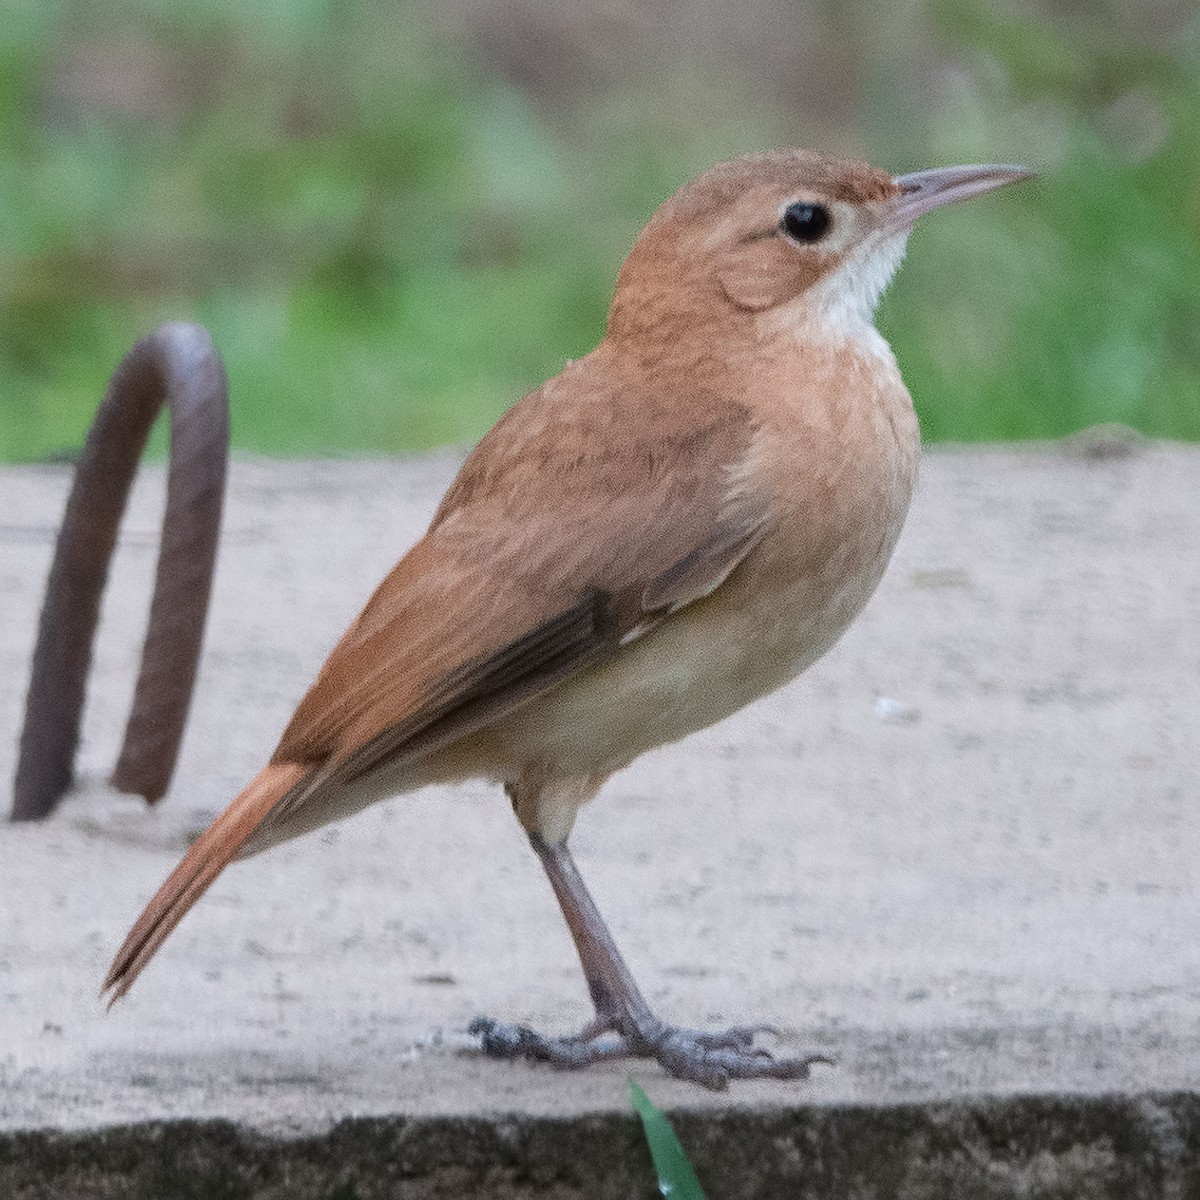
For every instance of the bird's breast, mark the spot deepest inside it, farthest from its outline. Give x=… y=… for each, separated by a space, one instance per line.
x=838 y=462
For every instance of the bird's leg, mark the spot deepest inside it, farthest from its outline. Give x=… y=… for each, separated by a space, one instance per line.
x=624 y=1025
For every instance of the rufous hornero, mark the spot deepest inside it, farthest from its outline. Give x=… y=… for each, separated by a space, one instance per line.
x=677 y=524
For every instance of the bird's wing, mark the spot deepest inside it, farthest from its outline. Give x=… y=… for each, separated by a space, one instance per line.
x=564 y=536
x=570 y=530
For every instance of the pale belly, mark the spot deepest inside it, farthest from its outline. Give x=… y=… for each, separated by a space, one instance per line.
x=702 y=664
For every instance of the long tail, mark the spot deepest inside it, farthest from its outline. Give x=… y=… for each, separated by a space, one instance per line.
x=208 y=856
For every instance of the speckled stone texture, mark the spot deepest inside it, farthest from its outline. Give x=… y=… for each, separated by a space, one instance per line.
x=959 y=853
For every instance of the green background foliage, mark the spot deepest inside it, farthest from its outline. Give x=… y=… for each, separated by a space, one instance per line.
x=391 y=238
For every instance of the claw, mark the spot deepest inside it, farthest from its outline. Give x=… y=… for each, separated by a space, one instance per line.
x=710 y=1059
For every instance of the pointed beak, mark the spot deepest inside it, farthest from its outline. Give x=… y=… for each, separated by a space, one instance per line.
x=923 y=191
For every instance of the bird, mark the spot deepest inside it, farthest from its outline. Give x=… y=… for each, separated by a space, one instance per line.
x=678 y=523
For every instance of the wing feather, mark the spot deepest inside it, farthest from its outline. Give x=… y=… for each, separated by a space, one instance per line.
x=538 y=563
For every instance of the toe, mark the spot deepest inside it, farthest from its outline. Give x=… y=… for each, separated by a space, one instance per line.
x=497 y=1039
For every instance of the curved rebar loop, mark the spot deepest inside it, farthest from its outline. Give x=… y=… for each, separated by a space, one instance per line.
x=179 y=366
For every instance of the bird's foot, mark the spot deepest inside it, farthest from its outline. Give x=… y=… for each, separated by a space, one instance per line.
x=710 y=1059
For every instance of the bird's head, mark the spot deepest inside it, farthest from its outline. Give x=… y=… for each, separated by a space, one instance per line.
x=790 y=233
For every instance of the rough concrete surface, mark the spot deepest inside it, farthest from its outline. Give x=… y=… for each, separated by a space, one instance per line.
x=960 y=853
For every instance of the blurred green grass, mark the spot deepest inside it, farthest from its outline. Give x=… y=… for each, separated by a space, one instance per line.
x=390 y=245
x=1084 y=305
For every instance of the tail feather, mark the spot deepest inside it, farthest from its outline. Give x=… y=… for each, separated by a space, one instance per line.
x=212 y=851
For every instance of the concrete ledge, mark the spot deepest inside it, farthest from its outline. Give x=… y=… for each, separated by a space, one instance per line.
x=960 y=854
x=1035 y=1147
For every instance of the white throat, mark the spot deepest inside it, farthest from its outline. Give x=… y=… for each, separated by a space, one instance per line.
x=843 y=305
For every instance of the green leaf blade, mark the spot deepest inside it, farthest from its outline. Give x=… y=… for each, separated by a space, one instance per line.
x=676 y=1178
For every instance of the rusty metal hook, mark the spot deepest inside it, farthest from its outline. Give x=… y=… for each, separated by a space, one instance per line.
x=179 y=366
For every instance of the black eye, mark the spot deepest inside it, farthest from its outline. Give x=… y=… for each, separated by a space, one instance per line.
x=805 y=222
